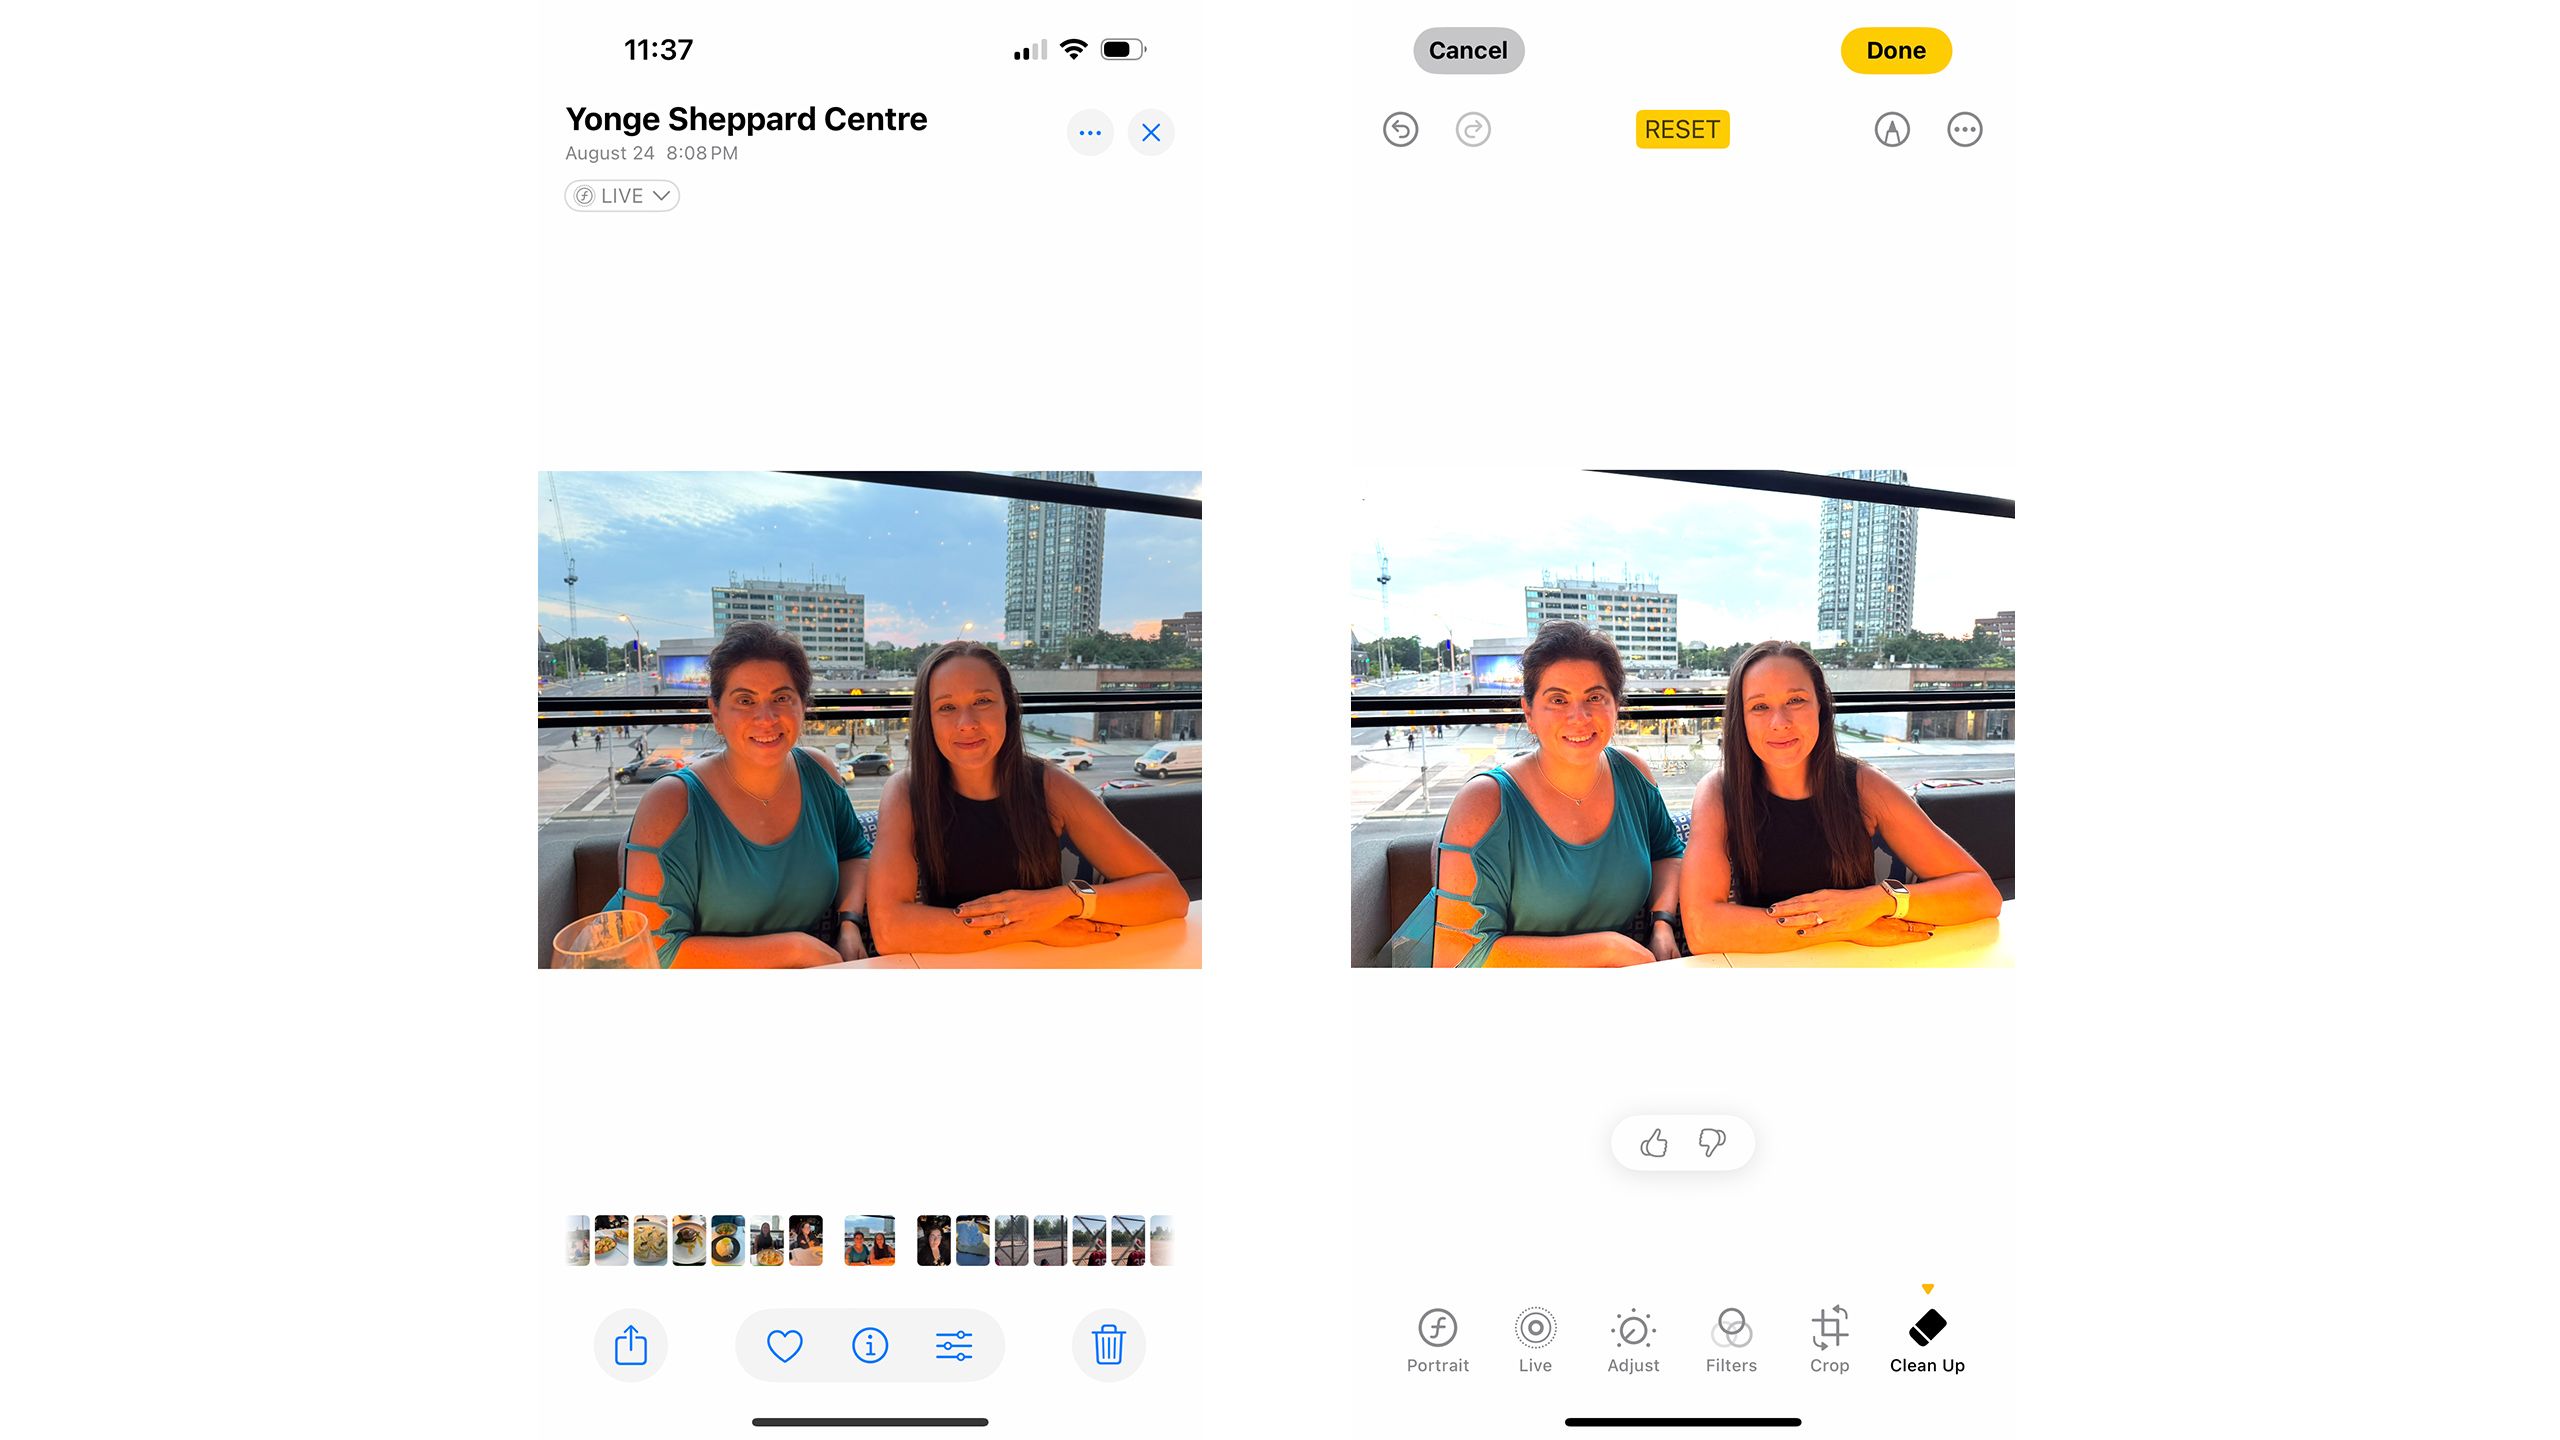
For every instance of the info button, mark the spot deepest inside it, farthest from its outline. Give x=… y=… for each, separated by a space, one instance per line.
x=644 y=196
x=1683 y=129
x=1683 y=1142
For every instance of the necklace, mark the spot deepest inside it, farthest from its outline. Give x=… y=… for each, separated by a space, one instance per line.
x=1569 y=795
x=767 y=800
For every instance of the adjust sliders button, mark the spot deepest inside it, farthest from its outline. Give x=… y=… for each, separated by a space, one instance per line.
x=641 y=196
x=1683 y=1142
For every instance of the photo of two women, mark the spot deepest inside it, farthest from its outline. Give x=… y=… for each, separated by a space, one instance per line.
x=819 y=781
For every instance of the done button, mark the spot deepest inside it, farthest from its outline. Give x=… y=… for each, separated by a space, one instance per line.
x=1897 y=50
x=1683 y=129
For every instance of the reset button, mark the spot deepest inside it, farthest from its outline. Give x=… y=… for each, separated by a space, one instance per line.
x=1683 y=130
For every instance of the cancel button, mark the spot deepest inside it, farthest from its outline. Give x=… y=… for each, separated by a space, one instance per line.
x=1464 y=50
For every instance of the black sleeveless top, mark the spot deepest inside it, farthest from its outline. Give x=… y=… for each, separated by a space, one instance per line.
x=1794 y=858
x=978 y=860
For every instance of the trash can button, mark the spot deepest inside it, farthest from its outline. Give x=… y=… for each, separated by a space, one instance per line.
x=1108 y=1344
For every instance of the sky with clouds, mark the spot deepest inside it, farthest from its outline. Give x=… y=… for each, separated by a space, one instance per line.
x=930 y=565
x=1741 y=561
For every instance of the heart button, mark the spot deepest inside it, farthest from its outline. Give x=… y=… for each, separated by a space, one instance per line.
x=783 y=1343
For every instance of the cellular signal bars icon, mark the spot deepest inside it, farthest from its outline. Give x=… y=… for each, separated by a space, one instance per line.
x=1036 y=50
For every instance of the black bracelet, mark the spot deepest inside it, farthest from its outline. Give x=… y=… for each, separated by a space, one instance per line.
x=1667 y=917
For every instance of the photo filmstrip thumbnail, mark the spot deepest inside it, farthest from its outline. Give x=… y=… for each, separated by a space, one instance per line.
x=870 y=1240
x=1696 y=719
x=933 y=1240
x=838 y=760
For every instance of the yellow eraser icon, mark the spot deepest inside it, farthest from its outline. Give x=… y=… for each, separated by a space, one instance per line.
x=1897 y=50
x=1683 y=129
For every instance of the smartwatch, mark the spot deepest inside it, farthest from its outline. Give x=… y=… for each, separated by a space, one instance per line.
x=1901 y=894
x=1084 y=899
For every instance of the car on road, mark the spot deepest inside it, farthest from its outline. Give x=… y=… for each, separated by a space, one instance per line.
x=1124 y=785
x=1073 y=757
x=869 y=762
x=656 y=767
x=1946 y=783
x=1170 y=758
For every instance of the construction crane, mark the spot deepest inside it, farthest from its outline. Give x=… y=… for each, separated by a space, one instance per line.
x=560 y=529
x=1384 y=654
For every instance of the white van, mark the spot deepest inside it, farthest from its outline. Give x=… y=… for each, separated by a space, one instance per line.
x=1170 y=758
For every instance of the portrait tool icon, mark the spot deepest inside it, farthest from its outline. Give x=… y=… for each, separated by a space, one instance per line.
x=1534 y=1327
x=1830 y=1327
x=1926 y=1328
x=1124 y=49
x=1437 y=1327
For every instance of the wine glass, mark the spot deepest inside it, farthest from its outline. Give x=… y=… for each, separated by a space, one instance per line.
x=614 y=940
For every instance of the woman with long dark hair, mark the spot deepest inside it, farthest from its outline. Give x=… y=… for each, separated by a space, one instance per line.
x=1782 y=837
x=1567 y=855
x=752 y=858
x=968 y=853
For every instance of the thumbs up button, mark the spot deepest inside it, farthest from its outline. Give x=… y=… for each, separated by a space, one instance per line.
x=1683 y=1142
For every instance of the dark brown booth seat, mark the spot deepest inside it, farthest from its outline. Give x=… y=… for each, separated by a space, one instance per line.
x=1981 y=818
x=581 y=880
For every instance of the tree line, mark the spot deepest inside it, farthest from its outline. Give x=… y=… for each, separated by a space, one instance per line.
x=1167 y=652
x=587 y=655
x=1980 y=650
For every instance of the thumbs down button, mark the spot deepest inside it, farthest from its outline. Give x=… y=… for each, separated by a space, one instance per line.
x=1683 y=1142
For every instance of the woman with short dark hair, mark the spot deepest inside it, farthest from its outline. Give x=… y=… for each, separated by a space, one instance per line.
x=1566 y=855
x=1782 y=836
x=752 y=857
x=970 y=834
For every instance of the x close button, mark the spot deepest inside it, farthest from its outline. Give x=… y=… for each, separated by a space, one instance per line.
x=1151 y=133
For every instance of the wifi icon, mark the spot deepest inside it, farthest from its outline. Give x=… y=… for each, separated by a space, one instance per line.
x=1075 y=48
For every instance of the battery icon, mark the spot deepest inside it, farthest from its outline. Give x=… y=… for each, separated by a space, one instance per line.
x=1123 y=49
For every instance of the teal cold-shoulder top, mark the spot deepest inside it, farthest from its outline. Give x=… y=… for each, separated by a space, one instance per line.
x=1531 y=881
x=712 y=880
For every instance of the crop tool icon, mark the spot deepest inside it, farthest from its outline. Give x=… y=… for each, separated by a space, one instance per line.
x=1830 y=1327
